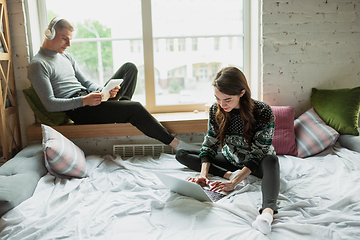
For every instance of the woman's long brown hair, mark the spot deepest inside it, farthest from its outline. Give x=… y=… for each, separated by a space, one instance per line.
x=232 y=81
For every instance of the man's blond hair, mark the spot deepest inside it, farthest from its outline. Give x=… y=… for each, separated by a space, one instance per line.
x=61 y=24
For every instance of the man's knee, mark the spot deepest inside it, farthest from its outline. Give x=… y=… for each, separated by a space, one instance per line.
x=137 y=107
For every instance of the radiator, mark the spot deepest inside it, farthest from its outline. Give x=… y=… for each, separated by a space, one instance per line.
x=130 y=150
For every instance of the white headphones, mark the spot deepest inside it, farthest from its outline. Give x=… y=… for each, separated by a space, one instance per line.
x=50 y=32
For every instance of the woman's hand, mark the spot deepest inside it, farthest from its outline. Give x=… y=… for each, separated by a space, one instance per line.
x=92 y=99
x=219 y=186
x=114 y=91
x=201 y=180
x=230 y=185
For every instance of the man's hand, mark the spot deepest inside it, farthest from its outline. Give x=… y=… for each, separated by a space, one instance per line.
x=114 y=91
x=92 y=99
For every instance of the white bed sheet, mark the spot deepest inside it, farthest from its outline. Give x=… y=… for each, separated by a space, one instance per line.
x=122 y=199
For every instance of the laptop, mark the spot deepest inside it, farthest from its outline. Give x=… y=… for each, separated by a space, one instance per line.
x=189 y=189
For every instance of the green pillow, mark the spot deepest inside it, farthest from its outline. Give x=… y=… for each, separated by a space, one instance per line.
x=49 y=118
x=338 y=108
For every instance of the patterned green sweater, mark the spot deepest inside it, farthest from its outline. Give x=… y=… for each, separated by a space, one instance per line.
x=235 y=149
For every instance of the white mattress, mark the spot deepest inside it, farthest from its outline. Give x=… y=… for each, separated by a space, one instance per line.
x=122 y=199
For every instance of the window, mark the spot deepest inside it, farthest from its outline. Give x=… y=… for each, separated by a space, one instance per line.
x=170 y=45
x=217 y=43
x=194 y=44
x=177 y=45
x=182 y=44
x=230 y=42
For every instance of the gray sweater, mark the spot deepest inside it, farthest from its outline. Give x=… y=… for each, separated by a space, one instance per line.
x=55 y=78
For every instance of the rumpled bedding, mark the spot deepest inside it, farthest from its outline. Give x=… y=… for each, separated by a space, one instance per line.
x=122 y=199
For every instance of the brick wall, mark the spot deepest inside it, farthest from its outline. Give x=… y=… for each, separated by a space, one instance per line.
x=306 y=44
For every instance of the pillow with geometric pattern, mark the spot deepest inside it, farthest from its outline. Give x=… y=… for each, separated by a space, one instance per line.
x=62 y=157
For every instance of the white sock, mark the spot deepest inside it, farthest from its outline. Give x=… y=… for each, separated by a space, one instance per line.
x=263 y=222
x=187 y=146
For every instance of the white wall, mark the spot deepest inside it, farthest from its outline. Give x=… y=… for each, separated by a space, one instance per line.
x=305 y=44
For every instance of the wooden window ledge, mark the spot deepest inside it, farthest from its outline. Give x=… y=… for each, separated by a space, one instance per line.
x=186 y=122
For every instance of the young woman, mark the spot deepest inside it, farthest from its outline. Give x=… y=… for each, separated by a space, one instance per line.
x=243 y=128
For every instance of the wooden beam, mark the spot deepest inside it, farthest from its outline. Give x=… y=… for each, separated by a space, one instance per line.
x=9 y=118
x=173 y=122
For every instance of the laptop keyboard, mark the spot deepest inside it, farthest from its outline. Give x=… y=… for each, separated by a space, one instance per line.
x=214 y=196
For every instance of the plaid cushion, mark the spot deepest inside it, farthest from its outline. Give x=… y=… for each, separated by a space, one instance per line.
x=62 y=157
x=312 y=134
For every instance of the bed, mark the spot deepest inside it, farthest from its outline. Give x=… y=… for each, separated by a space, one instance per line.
x=123 y=199
x=116 y=198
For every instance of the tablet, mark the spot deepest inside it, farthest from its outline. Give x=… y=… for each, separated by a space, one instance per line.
x=111 y=84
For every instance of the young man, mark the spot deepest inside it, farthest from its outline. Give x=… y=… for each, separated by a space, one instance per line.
x=61 y=86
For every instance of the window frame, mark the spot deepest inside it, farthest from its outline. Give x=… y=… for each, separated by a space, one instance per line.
x=37 y=13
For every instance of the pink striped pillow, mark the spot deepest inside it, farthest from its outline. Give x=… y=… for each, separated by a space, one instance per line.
x=312 y=134
x=62 y=157
x=284 y=135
